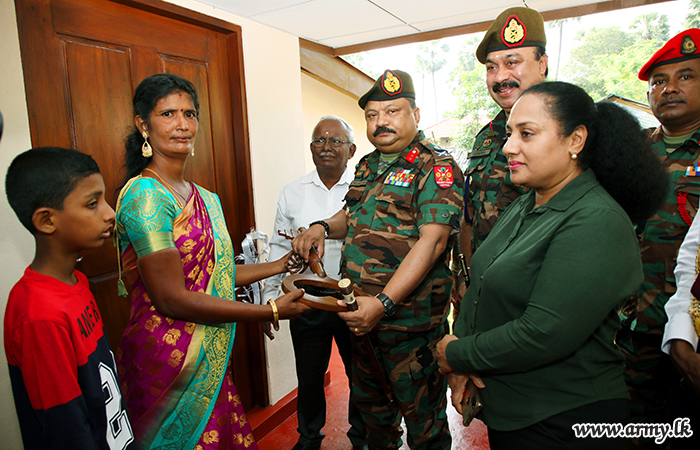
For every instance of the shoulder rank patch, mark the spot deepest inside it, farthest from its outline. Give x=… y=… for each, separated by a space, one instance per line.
x=693 y=171
x=400 y=178
x=443 y=176
x=411 y=157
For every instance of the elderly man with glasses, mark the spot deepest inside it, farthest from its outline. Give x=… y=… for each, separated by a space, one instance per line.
x=314 y=196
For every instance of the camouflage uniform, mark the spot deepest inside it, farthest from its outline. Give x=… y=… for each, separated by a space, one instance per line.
x=648 y=371
x=490 y=189
x=385 y=211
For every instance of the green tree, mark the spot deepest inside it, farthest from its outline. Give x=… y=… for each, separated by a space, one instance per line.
x=692 y=20
x=651 y=27
x=474 y=104
x=595 y=46
x=621 y=70
x=430 y=59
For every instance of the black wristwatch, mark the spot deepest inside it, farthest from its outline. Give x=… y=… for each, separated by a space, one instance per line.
x=389 y=305
x=325 y=226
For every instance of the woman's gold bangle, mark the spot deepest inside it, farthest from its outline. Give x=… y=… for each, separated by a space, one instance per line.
x=275 y=312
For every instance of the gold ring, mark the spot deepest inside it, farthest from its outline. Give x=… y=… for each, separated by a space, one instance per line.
x=357 y=330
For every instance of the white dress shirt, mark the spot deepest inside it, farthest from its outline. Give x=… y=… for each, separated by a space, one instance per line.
x=680 y=324
x=301 y=202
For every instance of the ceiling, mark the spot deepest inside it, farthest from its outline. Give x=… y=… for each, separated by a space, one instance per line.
x=349 y=26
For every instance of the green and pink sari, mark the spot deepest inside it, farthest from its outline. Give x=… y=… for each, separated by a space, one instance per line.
x=176 y=375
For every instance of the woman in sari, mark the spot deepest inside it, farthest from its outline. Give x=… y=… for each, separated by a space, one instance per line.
x=177 y=259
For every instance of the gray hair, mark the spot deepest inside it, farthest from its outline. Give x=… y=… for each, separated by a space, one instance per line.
x=346 y=126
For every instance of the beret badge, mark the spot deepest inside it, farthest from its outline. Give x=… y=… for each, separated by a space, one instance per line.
x=391 y=83
x=513 y=32
x=688 y=46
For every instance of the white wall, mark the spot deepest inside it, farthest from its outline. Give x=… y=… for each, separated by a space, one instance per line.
x=16 y=244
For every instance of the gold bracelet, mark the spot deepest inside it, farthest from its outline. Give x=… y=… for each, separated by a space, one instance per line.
x=275 y=313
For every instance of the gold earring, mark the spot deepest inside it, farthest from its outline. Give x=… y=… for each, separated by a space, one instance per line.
x=146 y=149
x=192 y=152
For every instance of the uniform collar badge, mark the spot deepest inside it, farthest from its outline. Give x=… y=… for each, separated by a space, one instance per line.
x=362 y=171
x=443 y=176
x=514 y=31
x=411 y=157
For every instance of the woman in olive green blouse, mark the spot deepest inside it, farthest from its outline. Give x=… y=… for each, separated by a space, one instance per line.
x=537 y=326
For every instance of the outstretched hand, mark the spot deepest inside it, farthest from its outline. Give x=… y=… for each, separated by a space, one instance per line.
x=288 y=306
x=295 y=263
x=312 y=236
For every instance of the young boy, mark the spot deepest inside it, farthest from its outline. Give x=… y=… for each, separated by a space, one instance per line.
x=63 y=374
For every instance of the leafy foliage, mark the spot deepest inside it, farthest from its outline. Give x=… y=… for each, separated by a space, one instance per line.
x=607 y=60
x=692 y=20
x=475 y=106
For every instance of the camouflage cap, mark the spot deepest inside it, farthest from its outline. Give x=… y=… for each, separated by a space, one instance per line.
x=391 y=84
x=682 y=46
x=514 y=27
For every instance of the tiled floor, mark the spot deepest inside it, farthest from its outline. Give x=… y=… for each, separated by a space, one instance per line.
x=285 y=435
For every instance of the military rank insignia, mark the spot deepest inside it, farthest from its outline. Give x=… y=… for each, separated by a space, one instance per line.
x=411 y=157
x=443 y=176
x=363 y=171
x=400 y=178
x=693 y=171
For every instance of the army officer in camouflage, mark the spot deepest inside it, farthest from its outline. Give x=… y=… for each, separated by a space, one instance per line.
x=673 y=76
x=400 y=212
x=513 y=51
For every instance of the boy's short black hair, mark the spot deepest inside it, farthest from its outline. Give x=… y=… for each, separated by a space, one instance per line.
x=44 y=177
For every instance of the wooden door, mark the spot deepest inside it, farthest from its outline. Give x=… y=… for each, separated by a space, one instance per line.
x=82 y=60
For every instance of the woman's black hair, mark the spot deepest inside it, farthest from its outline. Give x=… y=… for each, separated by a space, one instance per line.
x=147 y=94
x=616 y=149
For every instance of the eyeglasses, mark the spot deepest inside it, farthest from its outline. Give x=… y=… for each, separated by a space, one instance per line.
x=335 y=142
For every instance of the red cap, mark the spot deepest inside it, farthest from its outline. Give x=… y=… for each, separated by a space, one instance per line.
x=682 y=46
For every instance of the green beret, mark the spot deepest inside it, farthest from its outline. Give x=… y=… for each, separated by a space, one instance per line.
x=514 y=27
x=391 y=84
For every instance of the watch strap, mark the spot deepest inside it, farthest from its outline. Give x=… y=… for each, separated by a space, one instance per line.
x=389 y=305
x=325 y=226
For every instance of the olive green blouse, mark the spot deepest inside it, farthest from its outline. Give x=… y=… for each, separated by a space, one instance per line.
x=538 y=322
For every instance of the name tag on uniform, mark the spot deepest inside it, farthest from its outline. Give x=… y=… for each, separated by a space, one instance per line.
x=400 y=177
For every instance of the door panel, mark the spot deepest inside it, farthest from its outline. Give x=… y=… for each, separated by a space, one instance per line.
x=82 y=60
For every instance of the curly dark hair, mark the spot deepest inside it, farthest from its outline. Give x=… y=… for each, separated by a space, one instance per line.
x=147 y=94
x=616 y=149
